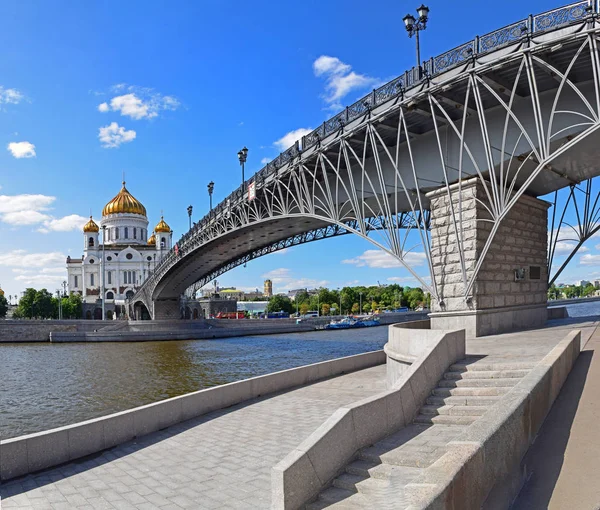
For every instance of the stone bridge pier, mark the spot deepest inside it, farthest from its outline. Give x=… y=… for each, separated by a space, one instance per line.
x=166 y=309
x=509 y=290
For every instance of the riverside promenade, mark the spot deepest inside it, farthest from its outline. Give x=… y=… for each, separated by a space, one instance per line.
x=223 y=459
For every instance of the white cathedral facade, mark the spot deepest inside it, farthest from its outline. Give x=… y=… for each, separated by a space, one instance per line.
x=124 y=250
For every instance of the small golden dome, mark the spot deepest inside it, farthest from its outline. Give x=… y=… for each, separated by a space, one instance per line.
x=1 y=292
x=124 y=202
x=152 y=240
x=162 y=226
x=91 y=226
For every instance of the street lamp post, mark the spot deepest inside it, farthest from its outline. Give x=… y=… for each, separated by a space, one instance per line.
x=360 y=305
x=414 y=26
x=211 y=188
x=59 y=304
x=242 y=156
x=103 y=272
x=64 y=284
x=189 y=210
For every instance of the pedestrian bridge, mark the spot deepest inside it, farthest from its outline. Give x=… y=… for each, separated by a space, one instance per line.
x=430 y=166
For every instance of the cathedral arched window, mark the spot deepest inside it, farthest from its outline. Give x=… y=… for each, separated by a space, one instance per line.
x=110 y=295
x=92 y=279
x=109 y=275
x=91 y=241
x=134 y=233
x=116 y=233
x=126 y=233
x=163 y=242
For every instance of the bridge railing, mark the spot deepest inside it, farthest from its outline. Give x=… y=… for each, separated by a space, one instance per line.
x=514 y=33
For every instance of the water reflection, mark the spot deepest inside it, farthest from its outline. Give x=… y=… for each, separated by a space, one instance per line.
x=50 y=385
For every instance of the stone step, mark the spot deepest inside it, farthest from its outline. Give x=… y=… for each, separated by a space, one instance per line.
x=469 y=392
x=478 y=383
x=398 y=457
x=445 y=419
x=348 y=481
x=454 y=410
x=365 y=468
x=480 y=365
x=486 y=374
x=335 y=495
x=463 y=401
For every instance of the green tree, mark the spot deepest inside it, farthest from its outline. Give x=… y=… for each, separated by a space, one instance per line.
x=37 y=304
x=280 y=304
x=588 y=290
x=304 y=307
x=302 y=297
x=325 y=309
x=355 y=308
x=366 y=307
x=72 y=306
x=415 y=297
x=3 y=306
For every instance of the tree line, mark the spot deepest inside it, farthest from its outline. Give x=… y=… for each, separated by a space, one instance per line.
x=348 y=300
x=41 y=304
x=571 y=291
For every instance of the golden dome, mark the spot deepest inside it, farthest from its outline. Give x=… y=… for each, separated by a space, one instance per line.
x=124 y=202
x=91 y=226
x=152 y=240
x=162 y=226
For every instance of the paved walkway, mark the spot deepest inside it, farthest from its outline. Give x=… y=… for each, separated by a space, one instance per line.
x=564 y=461
x=220 y=460
x=224 y=459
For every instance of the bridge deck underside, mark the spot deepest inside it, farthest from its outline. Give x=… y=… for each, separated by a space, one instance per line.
x=231 y=247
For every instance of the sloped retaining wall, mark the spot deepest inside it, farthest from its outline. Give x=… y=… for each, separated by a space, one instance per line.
x=30 y=453
x=304 y=472
x=483 y=469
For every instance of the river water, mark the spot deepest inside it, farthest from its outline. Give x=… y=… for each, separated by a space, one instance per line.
x=45 y=385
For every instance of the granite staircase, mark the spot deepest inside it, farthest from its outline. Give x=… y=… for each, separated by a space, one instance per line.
x=377 y=477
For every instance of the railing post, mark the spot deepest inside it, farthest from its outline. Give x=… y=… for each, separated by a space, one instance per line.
x=530 y=23
x=347 y=114
x=476 y=45
x=373 y=98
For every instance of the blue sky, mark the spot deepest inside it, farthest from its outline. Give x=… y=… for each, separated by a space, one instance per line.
x=168 y=92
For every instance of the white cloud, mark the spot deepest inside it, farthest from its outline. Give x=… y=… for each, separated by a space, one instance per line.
x=13 y=203
x=21 y=149
x=287 y=140
x=283 y=280
x=383 y=260
x=589 y=260
x=10 y=96
x=20 y=218
x=22 y=259
x=264 y=161
x=340 y=80
x=113 y=135
x=565 y=248
x=64 y=224
x=21 y=210
x=139 y=102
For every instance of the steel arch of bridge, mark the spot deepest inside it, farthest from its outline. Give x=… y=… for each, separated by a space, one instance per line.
x=363 y=174
x=567 y=237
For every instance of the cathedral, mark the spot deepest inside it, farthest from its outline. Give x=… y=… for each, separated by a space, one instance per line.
x=129 y=256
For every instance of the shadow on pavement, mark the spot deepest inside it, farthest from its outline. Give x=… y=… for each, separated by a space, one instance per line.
x=545 y=458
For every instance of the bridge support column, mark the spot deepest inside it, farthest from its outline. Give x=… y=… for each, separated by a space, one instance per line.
x=166 y=309
x=510 y=290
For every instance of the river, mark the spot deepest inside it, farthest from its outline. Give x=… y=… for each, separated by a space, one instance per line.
x=43 y=386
